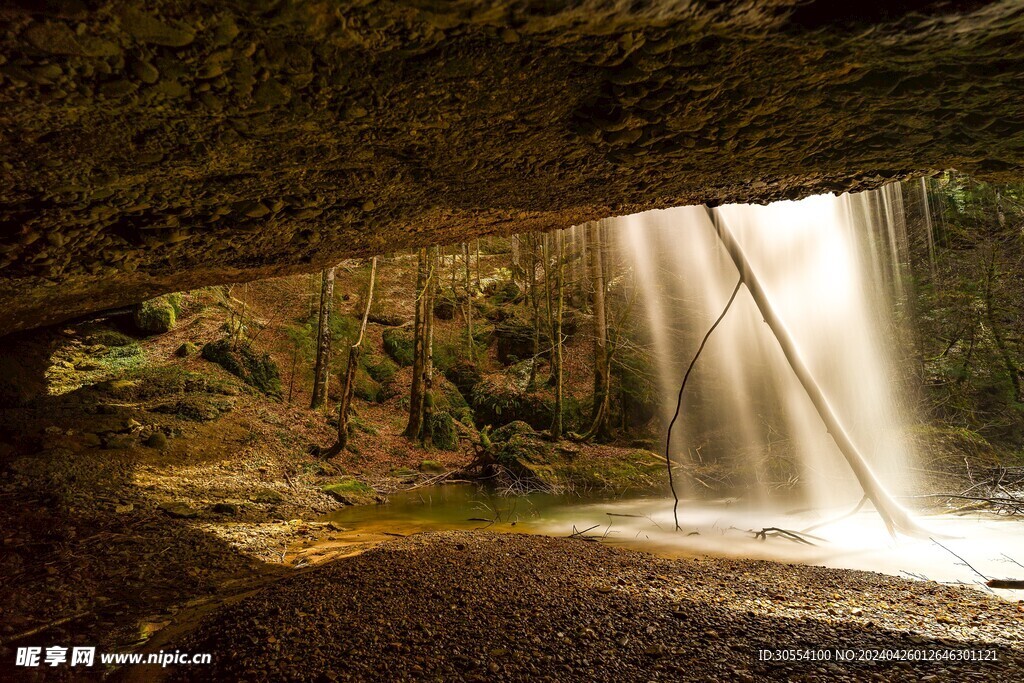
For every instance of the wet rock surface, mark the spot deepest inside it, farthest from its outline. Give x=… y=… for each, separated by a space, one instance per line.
x=479 y=606
x=156 y=147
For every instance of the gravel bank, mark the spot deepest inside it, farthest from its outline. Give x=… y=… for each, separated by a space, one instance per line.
x=481 y=606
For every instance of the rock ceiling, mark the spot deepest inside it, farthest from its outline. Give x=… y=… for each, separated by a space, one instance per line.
x=159 y=146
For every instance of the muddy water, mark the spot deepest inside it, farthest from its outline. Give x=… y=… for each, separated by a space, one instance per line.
x=992 y=546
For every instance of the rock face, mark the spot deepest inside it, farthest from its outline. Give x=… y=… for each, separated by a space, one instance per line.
x=154 y=147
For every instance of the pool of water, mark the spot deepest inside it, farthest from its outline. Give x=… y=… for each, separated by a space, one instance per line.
x=959 y=548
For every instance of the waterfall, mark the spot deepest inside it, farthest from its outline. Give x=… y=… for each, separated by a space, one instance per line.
x=831 y=267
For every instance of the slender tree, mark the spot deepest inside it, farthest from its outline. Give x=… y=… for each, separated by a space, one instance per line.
x=531 y=242
x=323 y=340
x=354 y=353
x=415 y=424
x=470 y=345
x=602 y=370
x=428 y=347
x=556 y=424
x=549 y=308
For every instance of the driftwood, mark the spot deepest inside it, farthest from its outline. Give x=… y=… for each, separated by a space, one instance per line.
x=894 y=516
x=1009 y=584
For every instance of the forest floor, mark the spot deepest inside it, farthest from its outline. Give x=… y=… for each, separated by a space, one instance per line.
x=481 y=606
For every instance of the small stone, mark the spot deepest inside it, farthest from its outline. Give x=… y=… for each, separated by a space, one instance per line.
x=179 y=510
x=157 y=440
x=149 y=29
x=145 y=72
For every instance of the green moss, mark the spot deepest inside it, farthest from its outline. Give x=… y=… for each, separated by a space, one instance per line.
x=351 y=491
x=240 y=360
x=381 y=368
x=442 y=431
x=111 y=338
x=155 y=316
x=187 y=349
x=366 y=387
x=431 y=466
x=400 y=345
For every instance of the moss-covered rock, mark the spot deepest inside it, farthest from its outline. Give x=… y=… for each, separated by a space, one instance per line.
x=442 y=431
x=186 y=350
x=464 y=375
x=196 y=407
x=366 y=387
x=155 y=316
x=157 y=440
x=399 y=344
x=445 y=307
x=431 y=467
x=497 y=401
x=381 y=368
x=351 y=491
x=240 y=360
x=515 y=340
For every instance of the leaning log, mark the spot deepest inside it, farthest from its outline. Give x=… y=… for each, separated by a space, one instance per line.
x=895 y=517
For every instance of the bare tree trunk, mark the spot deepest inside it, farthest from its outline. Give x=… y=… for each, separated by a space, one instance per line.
x=535 y=302
x=323 y=340
x=470 y=344
x=517 y=268
x=549 y=308
x=412 y=429
x=354 y=353
x=291 y=378
x=556 y=425
x=428 y=348
x=602 y=373
x=894 y=516
x=478 y=287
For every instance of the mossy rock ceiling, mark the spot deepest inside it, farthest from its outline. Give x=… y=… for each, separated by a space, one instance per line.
x=159 y=146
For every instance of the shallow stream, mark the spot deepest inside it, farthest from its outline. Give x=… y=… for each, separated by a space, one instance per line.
x=993 y=546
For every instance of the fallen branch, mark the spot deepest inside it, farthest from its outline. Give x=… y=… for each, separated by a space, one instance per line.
x=579 y=534
x=965 y=562
x=1008 y=584
x=785 y=533
x=44 y=627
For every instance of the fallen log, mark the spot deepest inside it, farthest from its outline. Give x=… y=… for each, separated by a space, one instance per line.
x=1010 y=584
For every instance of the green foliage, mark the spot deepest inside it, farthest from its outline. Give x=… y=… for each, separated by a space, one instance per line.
x=499 y=403
x=966 y=304
x=503 y=291
x=240 y=360
x=400 y=345
x=344 y=328
x=639 y=398
x=155 y=316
